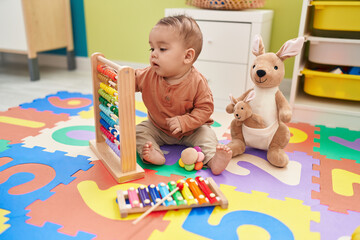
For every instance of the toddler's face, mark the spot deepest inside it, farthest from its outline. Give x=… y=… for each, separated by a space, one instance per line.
x=167 y=52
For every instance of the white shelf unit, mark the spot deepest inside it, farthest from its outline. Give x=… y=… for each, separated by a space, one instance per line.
x=315 y=110
x=226 y=55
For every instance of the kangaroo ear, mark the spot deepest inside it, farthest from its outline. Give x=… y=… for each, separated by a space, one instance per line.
x=232 y=99
x=291 y=48
x=258 y=46
x=250 y=96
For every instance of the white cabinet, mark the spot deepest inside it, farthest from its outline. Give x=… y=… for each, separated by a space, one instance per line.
x=32 y=26
x=226 y=55
x=326 y=101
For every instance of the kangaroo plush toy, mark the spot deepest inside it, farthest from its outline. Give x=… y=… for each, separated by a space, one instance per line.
x=267 y=72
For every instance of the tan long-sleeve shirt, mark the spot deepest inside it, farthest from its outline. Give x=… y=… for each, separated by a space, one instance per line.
x=191 y=100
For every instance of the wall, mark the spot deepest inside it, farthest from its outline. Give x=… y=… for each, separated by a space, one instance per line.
x=119 y=29
x=285 y=26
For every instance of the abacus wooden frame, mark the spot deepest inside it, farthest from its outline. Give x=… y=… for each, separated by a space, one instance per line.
x=122 y=168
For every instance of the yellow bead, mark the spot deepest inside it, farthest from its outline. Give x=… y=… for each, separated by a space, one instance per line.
x=181 y=163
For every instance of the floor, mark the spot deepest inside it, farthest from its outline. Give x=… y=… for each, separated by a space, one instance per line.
x=16 y=87
x=52 y=186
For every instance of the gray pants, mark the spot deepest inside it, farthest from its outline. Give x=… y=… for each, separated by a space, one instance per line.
x=204 y=137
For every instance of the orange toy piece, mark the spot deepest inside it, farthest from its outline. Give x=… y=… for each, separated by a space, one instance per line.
x=198 y=194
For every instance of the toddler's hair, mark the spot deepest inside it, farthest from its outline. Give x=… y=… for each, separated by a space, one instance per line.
x=188 y=30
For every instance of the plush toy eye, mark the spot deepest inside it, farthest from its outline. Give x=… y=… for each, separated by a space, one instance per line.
x=276 y=67
x=254 y=66
x=242 y=108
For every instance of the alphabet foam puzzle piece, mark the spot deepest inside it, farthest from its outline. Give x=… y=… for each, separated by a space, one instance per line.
x=4 y=145
x=20 y=230
x=282 y=219
x=71 y=136
x=62 y=102
x=92 y=207
x=172 y=155
x=329 y=183
x=18 y=123
x=3 y=220
x=302 y=138
x=258 y=174
x=32 y=174
x=343 y=224
x=337 y=143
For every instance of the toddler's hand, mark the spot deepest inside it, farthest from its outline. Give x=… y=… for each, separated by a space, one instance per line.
x=174 y=125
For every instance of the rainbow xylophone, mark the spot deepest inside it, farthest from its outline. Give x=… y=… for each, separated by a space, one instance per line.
x=198 y=192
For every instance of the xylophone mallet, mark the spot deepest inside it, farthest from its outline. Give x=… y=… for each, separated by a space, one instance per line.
x=179 y=187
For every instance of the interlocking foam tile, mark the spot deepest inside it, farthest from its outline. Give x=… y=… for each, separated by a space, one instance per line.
x=337 y=143
x=302 y=138
x=4 y=145
x=251 y=171
x=71 y=137
x=3 y=220
x=140 y=112
x=20 y=230
x=17 y=123
x=335 y=225
x=339 y=184
x=221 y=124
x=249 y=216
x=172 y=155
x=92 y=207
x=62 y=102
x=32 y=174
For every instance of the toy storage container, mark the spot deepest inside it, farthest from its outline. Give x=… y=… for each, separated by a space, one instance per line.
x=334 y=51
x=323 y=84
x=337 y=15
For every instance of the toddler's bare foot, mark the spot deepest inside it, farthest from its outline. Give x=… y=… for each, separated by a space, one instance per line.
x=151 y=155
x=220 y=160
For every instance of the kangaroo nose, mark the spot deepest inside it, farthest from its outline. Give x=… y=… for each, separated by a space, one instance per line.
x=260 y=73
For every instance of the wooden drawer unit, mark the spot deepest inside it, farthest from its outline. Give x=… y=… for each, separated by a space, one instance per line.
x=33 y=26
x=226 y=55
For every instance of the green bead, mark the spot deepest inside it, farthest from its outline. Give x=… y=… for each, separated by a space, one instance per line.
x=190 y=167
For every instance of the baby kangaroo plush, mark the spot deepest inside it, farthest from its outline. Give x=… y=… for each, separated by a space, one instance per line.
x=244 y=115
x=267 y=72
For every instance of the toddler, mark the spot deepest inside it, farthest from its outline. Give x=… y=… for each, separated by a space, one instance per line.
x=177 y=96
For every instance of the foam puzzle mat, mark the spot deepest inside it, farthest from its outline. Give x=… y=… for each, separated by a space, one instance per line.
x=53 y=187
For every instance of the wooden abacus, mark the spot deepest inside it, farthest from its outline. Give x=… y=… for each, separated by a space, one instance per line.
x=196 y=192
x=114 y=113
